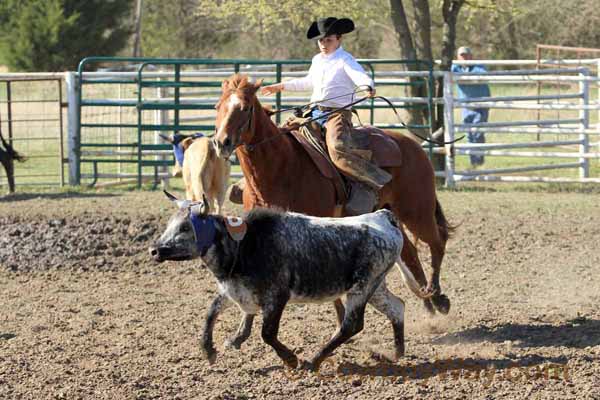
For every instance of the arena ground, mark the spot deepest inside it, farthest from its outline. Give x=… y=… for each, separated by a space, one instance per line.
x=86 y=314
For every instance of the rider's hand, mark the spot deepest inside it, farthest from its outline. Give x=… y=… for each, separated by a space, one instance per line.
x=271 y=89
x=371 y=92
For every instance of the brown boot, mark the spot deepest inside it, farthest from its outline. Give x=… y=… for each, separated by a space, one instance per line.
x=363 y=199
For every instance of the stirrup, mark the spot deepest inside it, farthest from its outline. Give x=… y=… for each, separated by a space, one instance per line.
x=363 y=199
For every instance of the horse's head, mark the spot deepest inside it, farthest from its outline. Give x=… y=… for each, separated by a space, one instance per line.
x=235 y=110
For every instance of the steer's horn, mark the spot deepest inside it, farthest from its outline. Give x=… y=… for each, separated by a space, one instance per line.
x=180 y=203
x=166 y=138
x=170 y=196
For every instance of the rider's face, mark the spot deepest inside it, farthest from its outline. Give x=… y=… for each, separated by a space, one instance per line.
x=329 y=44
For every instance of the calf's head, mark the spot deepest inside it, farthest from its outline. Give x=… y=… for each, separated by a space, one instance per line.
x=189 y=233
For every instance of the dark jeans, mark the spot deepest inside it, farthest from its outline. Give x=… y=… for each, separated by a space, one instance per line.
x=475 y=116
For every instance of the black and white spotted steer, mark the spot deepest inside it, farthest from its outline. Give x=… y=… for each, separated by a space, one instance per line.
x=289 y=257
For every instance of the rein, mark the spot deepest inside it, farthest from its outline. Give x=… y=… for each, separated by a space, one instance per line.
x=252 y=147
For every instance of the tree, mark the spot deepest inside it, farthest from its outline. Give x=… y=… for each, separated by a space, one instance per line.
x=276 y=29
x=54 y=35
x=415 y=43
x=176 y=29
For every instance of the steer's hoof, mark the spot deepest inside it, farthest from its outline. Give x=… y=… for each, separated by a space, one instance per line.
x=291 y=362
x=309 y=366
x=210 y=355
x=441 y=303
x=233 y=343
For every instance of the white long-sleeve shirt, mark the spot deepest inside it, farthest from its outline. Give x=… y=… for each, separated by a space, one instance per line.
x=333 y=75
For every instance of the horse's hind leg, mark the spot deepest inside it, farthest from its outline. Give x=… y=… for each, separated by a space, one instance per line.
x=437 y=244
x=393 y=308
x=439 y=300
x=410 y=256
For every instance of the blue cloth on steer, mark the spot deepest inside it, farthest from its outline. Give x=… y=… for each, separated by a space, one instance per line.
x=204 y=230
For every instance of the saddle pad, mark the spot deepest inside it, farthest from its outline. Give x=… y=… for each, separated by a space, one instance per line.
x=385 y=150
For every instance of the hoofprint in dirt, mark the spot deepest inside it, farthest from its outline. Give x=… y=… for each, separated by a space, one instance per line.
x=86 y=314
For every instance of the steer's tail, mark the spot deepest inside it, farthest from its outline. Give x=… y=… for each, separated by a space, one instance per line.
x=411 y=282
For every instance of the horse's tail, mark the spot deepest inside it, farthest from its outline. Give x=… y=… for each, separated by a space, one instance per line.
x=444 y=227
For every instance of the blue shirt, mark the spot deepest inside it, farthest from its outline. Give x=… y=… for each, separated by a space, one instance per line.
x=468 y=90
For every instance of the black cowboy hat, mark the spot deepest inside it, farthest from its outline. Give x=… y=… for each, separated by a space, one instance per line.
x=329 y=26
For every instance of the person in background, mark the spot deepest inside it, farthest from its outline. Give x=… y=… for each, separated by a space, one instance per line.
x=333 y=77
x=472 y=116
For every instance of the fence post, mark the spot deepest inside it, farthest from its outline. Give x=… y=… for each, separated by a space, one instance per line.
x=449 y=128
x=73 y=129
x=598 y=100
x=584 y=115
x=161 y=117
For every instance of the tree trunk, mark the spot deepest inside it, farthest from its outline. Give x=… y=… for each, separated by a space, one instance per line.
x=407 y=47
x=137 y=40
x=423 y=30
x=411 y=116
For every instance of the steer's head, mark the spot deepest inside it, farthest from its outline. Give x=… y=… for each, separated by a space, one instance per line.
x=189 y=233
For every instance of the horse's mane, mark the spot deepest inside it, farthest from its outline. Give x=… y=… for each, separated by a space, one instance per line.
x=240 y=83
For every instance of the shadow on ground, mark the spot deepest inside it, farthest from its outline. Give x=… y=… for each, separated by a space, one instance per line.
x=578 y=333
x=530 y=367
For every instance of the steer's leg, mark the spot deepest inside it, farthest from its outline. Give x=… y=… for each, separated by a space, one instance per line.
x=392 y=307
x=353 y=323
x=339 y=311
x=243 y=332
x=271 y=317
x=206 y=342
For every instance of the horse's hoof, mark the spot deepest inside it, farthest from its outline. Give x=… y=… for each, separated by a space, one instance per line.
x=429 y=307
x=441 y=303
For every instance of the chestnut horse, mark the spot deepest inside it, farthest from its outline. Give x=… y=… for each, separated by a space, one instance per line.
x=279 y=173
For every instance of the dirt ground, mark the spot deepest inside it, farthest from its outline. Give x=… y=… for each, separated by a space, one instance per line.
x=86 y=314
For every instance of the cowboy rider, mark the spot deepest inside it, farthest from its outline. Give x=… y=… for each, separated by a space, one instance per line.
x=333 y=76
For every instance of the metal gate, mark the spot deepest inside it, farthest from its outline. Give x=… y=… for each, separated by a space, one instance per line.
x=119 y=115
x=31 y=120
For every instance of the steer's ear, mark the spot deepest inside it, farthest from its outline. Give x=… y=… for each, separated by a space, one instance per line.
x=187 y=142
